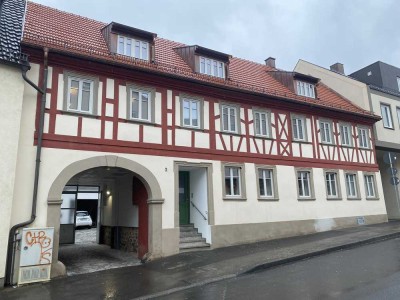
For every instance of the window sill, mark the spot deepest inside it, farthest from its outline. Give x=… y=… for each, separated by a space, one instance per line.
x=346 y=146
x=372 y=198
x=327 y=144
x=334 y=199
x=307 y=199
x=191 y=128
x=352 y=198
x=391 y=128
x=133 y=121
x=263 y=137
x=364 y=148
x=79 y=114
x=266 y=199
x=230 y=133
x=234 y=198
x=301 y=142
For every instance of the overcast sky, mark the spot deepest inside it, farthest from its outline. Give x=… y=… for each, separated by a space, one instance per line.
x=353 y=32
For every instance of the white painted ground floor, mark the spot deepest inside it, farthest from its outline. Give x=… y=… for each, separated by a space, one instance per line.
x=144 y=200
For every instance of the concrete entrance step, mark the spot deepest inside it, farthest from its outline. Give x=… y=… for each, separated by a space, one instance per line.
x=190 y=238
x=193 y=245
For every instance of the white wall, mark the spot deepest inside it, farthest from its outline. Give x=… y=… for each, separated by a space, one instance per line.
x=11 y=97
x=353 y=90
x=198 y=194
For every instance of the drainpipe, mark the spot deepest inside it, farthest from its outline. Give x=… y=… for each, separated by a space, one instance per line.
x=13 y=231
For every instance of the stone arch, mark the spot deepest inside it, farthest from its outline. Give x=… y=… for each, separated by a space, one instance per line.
x=149 y=180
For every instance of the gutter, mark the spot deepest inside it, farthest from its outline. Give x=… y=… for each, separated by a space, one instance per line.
x=12 y=238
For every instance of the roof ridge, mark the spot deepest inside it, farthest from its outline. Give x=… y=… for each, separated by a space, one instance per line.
x=29 y=2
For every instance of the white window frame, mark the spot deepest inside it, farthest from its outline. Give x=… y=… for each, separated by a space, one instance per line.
x=304 y=176
x=386 y=113
x=217 y=68
x=149 y=104
x=241 y=185
x=131 y=43
x=236 y=118
x=345 y=135
x=398 y=83
x=80 y=91
x=264 y=180
x=260 y=131
x=296 y=132
x=325 y=128
x=305 y=89
x=191 y=101
x=352 y=190
x=398 y=114
x=330 y=182
x=363 y=137
x=370 y=186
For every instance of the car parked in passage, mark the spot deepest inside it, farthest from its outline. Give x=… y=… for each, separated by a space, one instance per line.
x=83 y=219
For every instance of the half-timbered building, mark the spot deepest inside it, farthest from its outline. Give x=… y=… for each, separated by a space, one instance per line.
x=178 y=136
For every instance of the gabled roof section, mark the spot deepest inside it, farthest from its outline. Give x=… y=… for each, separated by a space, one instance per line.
x=11 y=24
x=74 y=35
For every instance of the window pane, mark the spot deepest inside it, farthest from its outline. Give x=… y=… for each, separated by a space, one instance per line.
x=261 y=185
x=202 y=65
x=85 y=105
x=145 y=50
x=264 y=124
x=186 y=113
x=73 y=99
x=228 y=190
x=145 y=106
x=135 y=104
x=236 y=186
x=215 y=68
x=121 y=45
x=225 y=118
x=128 y=47
x=137 y=49
x=221 y=70
x=208 y=63
x=257 y=123
x=194 y=106
x=232 y=119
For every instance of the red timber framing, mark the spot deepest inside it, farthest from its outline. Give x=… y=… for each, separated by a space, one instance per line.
x=243 y=147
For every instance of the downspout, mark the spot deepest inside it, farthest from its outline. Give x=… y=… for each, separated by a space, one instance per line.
x=13 y=231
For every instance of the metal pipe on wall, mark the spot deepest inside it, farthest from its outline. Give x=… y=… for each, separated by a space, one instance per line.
x=13 y=231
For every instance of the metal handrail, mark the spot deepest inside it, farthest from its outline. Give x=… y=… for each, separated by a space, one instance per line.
x=204 y=217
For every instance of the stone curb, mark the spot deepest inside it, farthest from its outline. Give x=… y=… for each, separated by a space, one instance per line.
x=273 y=264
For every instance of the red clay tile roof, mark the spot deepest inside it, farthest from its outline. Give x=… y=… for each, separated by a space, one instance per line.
x=66 y=32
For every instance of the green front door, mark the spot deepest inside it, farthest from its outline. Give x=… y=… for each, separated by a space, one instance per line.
x=184 y=199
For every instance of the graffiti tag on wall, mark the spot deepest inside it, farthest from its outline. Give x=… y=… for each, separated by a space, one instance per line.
x=36 y=246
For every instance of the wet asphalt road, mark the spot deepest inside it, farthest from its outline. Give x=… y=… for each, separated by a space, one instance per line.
x=368 y=272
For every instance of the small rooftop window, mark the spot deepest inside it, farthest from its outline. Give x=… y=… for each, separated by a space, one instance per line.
x=133 y=47
x=212 y=67
x=305 y=89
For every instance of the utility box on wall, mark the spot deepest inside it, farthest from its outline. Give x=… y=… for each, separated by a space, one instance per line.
x=36 y=255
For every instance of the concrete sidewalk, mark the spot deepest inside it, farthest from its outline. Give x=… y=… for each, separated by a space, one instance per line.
x=185 y=270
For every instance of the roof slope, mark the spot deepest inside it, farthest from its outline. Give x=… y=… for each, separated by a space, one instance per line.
x=11 y=22
x=79 y=35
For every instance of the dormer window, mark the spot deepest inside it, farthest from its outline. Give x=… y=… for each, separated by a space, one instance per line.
x=133 y=47
x=305 y=89
x=212 y=67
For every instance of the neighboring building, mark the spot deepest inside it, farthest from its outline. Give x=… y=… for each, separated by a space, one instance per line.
x=375 y=88
x=173 y=134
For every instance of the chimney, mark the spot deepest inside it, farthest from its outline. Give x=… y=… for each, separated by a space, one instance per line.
x=270 y=62
x=338 y=68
